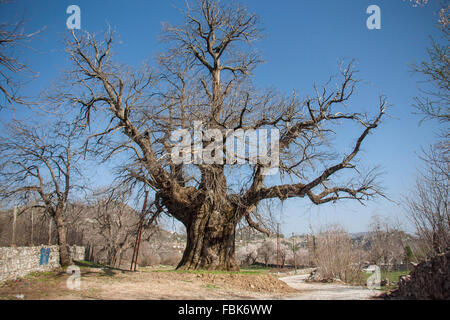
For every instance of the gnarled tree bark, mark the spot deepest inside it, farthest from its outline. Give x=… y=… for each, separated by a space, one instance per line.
x=210 y=241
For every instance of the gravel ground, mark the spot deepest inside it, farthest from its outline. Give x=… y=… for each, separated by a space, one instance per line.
x=326 y=291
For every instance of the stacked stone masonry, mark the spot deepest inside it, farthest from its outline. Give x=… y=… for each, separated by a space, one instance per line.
x=428 y=280
x=16 y=262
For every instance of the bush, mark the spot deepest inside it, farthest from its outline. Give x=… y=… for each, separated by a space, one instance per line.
x=267 y=251
x=334 y=256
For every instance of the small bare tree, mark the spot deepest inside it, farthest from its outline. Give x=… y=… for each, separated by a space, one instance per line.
x=285 y=253
x=427 y=204
x=386 y=241
x=267 y=250
x=116 y=223
x=41 y=163
x=334 y=255
x=247 y=255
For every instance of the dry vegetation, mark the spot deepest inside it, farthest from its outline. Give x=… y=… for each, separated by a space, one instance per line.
x=344 y=266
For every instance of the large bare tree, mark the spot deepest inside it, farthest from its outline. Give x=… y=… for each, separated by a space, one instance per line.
x=40 y=163
x=204 y=76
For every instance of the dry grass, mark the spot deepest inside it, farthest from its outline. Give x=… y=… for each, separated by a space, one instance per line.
x=335 y=256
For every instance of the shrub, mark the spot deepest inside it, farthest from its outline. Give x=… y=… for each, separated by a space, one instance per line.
x=334 y=256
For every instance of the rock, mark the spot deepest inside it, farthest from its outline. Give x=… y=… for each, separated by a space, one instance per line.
x=313 y=276
x=428 y=280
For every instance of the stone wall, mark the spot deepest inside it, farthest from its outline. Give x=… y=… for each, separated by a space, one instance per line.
x=428 y=280
x=17 y=262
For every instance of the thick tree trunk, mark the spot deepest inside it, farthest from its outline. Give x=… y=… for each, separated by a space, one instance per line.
x=210 y=243
x=61 y=229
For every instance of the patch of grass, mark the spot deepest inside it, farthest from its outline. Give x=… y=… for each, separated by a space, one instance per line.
x=392 y=276
x=212 y=286
x=159 y=268
x=243 y=271
x=41 y=276
x=246 y=270
x=257 y=267
x=85 y=264
x=89 y=264
x=38 y=274
x=255 y=270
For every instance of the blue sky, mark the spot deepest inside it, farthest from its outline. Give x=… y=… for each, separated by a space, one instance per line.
x=304 y=42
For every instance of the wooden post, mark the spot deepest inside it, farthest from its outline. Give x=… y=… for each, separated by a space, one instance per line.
x=134 y=259
x=13 y=237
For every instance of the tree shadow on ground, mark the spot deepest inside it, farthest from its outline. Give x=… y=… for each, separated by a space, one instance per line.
x=108 y=271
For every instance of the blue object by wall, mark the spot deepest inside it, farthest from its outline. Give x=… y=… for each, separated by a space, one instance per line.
x=45 y=254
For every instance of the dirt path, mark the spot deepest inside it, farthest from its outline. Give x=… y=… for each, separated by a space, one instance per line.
x=325 y=291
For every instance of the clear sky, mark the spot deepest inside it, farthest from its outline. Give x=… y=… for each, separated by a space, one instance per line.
x=304 y=42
